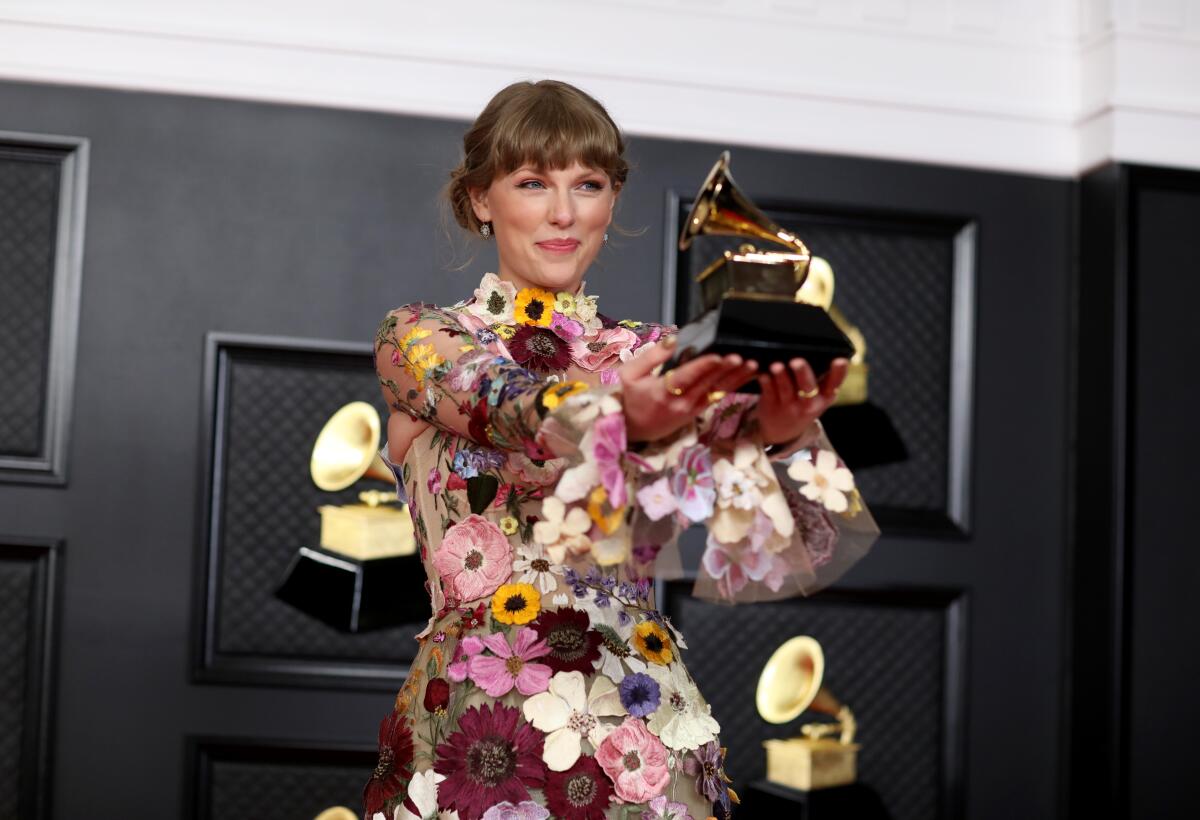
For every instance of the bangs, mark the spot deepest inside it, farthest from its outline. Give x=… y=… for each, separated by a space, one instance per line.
x=552 y=131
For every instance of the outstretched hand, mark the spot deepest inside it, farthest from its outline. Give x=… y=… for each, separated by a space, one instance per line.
x=652 y=411
x=784 y=412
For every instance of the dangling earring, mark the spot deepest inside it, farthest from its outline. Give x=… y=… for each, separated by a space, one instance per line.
x=485 y=230
x=606 y=236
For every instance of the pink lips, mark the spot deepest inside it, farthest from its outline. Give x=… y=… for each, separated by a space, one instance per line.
x=560 y=245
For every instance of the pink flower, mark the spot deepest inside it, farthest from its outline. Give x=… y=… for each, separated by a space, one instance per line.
x=728 y=413
x=474 y=558
x=692 y=483
x=510 y=665
x=661 y=809
x=535 y=472
x=435 y=481
x=604 y=349
x=527 y=810
x=635 y=761
x=470 y=646
x=608 y=447
x=568 y=329
x=733 y=567
x=657 y=500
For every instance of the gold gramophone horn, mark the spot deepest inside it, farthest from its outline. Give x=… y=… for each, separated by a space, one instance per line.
x=347 y=449
x=791 y=683
x=337 y=813
x=721 y=208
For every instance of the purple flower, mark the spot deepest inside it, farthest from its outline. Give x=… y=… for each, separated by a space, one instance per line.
x=527 y=810
x=640 y=694
x=707 y=765
x=662 y=809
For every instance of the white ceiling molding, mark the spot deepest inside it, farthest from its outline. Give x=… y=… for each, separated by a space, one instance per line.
x=1048 y=87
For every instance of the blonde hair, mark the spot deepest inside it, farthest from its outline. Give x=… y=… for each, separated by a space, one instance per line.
x=549 y=124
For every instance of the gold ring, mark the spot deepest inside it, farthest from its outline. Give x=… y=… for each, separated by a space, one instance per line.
x=715 y=396
x=674 y=391
x=808 y=394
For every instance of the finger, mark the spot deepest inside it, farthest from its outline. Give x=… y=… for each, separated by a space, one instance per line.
x=784 y=386
x=834 y=378
x=737 y=377
x=803 y=376
x=686 y=378
x=643 y=363
x=770 y=396
x=698 y=392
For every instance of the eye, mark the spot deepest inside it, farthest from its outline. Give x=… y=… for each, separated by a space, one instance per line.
x=529 y=183
x=595 y=185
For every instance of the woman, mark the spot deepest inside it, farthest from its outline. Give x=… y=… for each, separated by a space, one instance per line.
x=549 y=468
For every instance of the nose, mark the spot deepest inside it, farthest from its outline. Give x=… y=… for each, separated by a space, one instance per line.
x=562 y=209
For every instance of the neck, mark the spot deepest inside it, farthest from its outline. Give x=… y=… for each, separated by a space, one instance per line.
x=574 y=287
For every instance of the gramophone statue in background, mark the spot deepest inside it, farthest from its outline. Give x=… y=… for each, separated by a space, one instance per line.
x=753 y=302
x=789 y=684
x=365 y=574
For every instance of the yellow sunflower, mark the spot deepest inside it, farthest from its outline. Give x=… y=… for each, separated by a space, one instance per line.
x=419 y=359
x=651 y=640
x=417 y=332
x=553 y=396
x=534 y=306
x=516 y=603
x=505 y=332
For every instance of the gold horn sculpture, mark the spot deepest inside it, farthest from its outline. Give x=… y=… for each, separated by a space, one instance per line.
x=364 y=573
x=750 y=299
x=790 y=683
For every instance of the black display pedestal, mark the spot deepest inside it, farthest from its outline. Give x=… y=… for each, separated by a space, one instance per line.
x=764 y=799
x=356 y=595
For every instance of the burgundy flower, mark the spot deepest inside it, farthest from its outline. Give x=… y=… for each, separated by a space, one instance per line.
x=539 y=349
x=573 y=646
x=437 y=695
x=582 y=792
x=493 y=757
x=391 y=775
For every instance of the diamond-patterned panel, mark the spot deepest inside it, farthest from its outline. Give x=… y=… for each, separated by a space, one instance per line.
x=895 y=282
x=278 y=400
x=29 y=194
x=886 y=661
x=281 y=791
x=16 y=591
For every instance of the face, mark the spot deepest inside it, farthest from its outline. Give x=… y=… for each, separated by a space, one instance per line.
x=548 y=225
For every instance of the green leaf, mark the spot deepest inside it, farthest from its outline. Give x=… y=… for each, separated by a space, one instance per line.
x=431 y=668
x=481 y=491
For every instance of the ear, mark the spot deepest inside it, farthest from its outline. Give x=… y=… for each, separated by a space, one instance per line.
x=479 y=204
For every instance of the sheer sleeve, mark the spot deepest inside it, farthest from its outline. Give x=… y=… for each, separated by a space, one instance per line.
x=435 y=367
x=779 y=524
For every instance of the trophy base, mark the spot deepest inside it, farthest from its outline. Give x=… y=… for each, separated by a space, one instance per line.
x=356 y=595
x=806 y=764
x=763 y=798
x=767 y=331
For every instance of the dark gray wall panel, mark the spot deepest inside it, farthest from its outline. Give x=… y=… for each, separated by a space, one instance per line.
x=234 y=217
x=29 y=604
x=269 y=399
x=42 y=197
x=235 y=779
x=896 y=659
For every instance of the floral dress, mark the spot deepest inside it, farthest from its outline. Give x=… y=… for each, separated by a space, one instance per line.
x=547 y=684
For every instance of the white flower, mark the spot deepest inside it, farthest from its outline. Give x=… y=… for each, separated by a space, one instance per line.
x=615 y=654
x=585 y=312
x=825 y=481
x=731 y=523
x=422 y=791
x=534 y=569
x=559 y=531
x=494 y=300
x=567 y=716
x=683 y=719
x=736 y=488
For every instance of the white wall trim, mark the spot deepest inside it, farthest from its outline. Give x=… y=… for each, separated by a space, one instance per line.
x=1050 y=88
